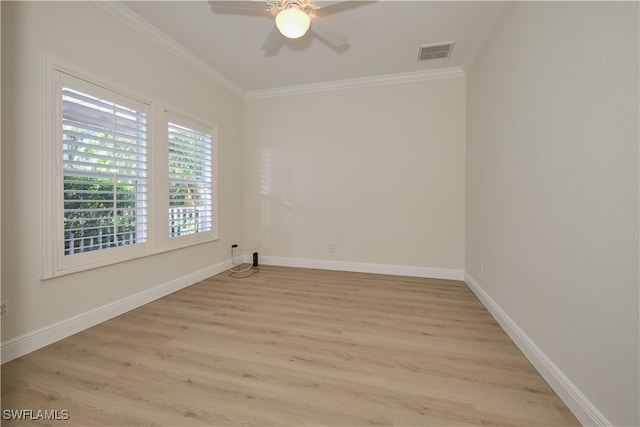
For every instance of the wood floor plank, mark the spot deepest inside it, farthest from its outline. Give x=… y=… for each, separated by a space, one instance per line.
x=290 y=347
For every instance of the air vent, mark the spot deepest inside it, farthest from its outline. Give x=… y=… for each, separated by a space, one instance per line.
x=435 y=51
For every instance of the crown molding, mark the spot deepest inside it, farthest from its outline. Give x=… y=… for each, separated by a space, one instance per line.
x=442 y=73
x=126 y=15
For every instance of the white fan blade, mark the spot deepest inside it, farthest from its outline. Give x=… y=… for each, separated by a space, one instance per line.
x=239 y=5
x=273 y=43
x=328 y=33
x=329 y=7
x=323 y=4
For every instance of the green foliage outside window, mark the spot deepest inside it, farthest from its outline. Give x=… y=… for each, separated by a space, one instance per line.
x=97 y=215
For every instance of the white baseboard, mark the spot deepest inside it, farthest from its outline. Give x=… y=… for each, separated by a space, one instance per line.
x=577 y=402
x=581 y=407
x=360 y=267
x=32 y=341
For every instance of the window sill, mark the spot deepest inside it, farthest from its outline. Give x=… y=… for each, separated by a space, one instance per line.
x=182 y=244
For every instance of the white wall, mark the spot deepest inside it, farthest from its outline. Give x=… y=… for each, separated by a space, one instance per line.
x=377 y=170
x=551 y=115
x=93 y=41
x=552 y=189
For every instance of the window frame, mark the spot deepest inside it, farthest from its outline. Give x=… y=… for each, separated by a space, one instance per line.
x=187 y=120
x=54 y=262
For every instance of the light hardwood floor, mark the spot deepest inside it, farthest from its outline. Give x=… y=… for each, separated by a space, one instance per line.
x=290 y=347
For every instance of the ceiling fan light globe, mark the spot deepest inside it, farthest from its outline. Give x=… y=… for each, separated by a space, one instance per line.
x=292 y=23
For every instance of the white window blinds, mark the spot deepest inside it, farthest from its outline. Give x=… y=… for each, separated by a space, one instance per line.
x=190 y=178
x=104 y=168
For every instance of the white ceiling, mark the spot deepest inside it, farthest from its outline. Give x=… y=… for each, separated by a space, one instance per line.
x=384 y=38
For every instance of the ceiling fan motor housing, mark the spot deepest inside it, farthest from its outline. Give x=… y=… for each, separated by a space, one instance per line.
x=306 y=6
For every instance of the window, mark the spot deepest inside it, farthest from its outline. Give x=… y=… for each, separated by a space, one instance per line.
x=96 y=175
x=190 y=178
x=104 y=172
x=119 y=183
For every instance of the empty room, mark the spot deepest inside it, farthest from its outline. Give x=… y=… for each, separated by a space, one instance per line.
x=304 y=212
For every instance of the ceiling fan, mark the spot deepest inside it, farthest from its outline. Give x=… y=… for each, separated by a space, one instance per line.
x=292 y=17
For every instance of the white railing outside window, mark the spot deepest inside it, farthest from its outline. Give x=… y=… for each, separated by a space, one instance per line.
x=190 y=178
x=184 y=220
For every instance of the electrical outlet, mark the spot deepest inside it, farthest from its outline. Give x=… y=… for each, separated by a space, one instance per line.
x=3 y=310
x=332 y=247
